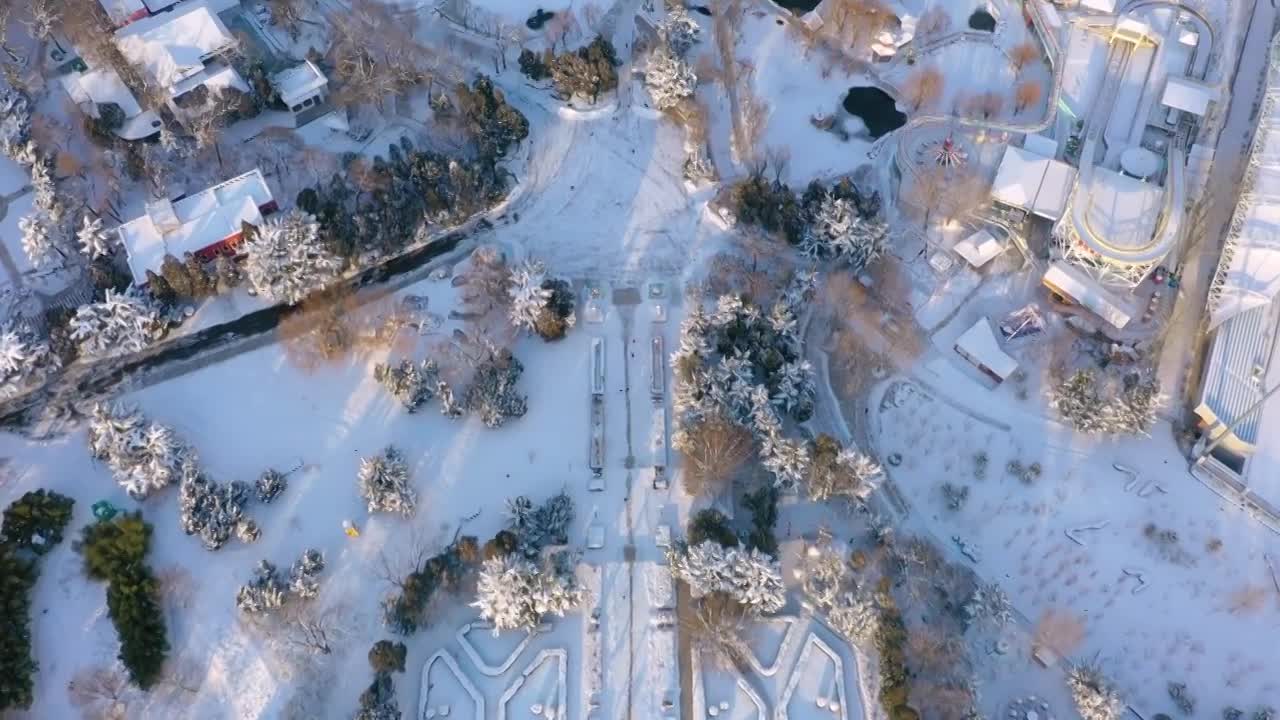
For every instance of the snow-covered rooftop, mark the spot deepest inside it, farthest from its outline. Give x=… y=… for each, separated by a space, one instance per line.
x=979 y=248
x=122 y=12
x=196 y=222
x=1237 y=363
x=1074 y=284
x=103 y=85
x=1034 y=183
x=1102 y=6
x=978 y=344
x=173 y=46
x=298 y=82
x=214 y=77
x=1188 y=95
x=1121 y=209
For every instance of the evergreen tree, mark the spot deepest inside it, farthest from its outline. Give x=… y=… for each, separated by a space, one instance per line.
x=94 y=241
x=286 y=260
x=115 y=552
x=412 y=384
x=386 y=656
x=119 y=325
x=24 y=360
x=35 y=521
x=515 y=593
x=668 y=78
x=383 y=481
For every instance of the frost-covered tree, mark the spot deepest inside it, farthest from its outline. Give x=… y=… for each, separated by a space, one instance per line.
x=266 y=592
x=989 y=604
x=15 y=124
x=543 y=525
x=787 y=458
x=751 y=577
x=668 y=78
x=841 y=472
x=855 y=616
x=516 y=593
x=143 y=457
x=383 y=481
x=39 y=241
x=270 y=484
x=837 y=232
x=539 y=303
x=94 y=241
x=449 y=405
x=698 y=167
x=527 y=296
x=679 y=30
x=24 y=360
x=304 y=576
x=286 y=259
x=119 y=325
x=492 y=393
x=413 y=384
x=1094 y=696
x=211 y=510
x=1127 y=407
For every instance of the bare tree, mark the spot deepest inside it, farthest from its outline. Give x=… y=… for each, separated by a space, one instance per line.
x=987 y=104
x=716 y=627
x=966 y=191
x=1023 y=54
x=926 y=189
x=332 y=324
x=1026 y=94
x=855 y=22
x=923 y=87
x=44 y=16
x=311 y=630
x=714 y=450
x=101 y=692
x=934 y=23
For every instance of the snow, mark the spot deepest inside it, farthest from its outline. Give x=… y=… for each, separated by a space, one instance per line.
x=1038 y=184
x=1121 y=209
x=172 y=46
x=1073 y=284
x=202 y=219
x=979 y=248
x=978 y=345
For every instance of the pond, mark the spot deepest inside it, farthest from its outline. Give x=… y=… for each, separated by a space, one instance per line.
x=798 y=7
x=875 y=108
x=982 y=20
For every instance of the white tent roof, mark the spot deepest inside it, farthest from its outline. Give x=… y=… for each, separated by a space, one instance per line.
x=1040 y=145
x=979 y=248
x=1083 y=289
x=1102 y=6
x=201 y=220
x=1188 y=95
x=1034 y=183
x=979 y=344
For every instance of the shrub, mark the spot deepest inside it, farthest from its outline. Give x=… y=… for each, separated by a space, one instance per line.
x=17 y=578
x=386 y=656
x=115 y=552
x=35 y=521
x=711 y=524
x=763 y=505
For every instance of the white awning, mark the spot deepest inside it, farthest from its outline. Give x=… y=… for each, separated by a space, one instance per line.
x=1188 y=95
x=1074 y=284
x=979 y=346
x=1034 y=183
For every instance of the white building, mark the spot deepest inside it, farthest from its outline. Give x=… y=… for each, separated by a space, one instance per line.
x=206 y=224
x=980 y=347
x=1037 y=184
x=182 y=49
x=100 y=86
x=303 y=89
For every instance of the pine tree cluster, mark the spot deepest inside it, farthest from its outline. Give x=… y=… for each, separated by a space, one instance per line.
x=517 y=593
x=539 y=303
x=492 y=393
x=214 y=511
x=1124 y=407
x=269 y=590
x=143 y=456
x=739 y=364
x=492 y=121
x=270 y=484
x=378 y=701
x=286 y=259
x=585 y=72
x=1094 y=696
x=540 y=526
x=837 y=472
x=383 y=481
x=119 y=325
x=405 y=611
x=750 y=577
x=801 y=220
x=33 y=525
x=115 y=552
x=25 y=361
x=413 y=384
x=15 y=124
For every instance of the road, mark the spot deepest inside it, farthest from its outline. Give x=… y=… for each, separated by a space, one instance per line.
x=1183 y=337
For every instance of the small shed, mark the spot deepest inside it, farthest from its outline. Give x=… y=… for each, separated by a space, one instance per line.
x=1187 y=95
x=302 y=88
x=979 y=346
x=979 y=248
